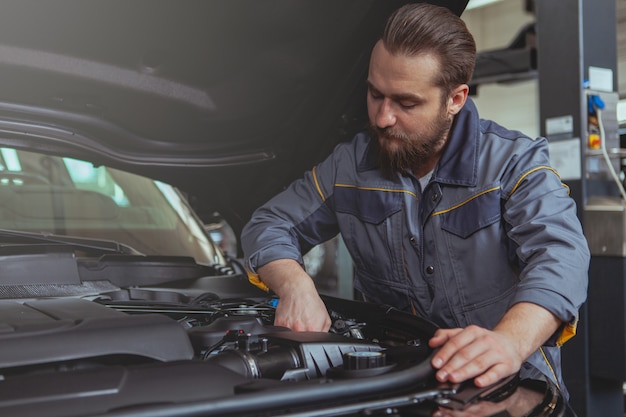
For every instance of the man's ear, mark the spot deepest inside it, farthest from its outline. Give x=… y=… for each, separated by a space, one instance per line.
x=457 y=99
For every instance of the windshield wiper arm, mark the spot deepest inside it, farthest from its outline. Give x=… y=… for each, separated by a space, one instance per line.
x=88 y=244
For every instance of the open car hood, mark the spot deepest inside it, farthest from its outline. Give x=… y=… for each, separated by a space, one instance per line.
x=227 y=100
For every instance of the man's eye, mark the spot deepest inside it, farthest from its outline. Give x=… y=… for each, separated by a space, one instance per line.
x=375 y=95
x=408 y=105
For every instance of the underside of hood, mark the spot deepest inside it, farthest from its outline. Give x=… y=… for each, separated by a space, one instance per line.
x=228 y=100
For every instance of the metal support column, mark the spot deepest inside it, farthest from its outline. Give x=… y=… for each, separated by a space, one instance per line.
x=574 y=36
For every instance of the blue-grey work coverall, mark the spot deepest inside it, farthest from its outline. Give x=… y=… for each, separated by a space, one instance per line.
x=493 y=227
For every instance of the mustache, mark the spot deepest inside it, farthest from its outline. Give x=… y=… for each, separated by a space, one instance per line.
x=388 y=133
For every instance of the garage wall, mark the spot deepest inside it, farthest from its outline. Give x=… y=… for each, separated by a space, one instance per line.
x=516 y=106
x=621 y=46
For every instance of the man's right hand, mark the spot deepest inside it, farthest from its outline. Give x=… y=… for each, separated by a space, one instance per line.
x=300 y=307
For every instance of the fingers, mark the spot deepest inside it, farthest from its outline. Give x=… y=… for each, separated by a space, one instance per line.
x=493 y=375
x=442 y=336
x=320 y=323
x=291 y=314
x=300 y=307
x=473 y=352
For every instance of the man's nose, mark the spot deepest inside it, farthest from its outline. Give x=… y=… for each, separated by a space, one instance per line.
x=385 y=116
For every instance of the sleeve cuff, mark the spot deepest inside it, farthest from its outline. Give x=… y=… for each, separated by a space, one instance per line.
x=255 y=280
x=568 y=330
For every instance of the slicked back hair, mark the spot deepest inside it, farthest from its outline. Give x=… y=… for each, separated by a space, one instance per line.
x=423 y=28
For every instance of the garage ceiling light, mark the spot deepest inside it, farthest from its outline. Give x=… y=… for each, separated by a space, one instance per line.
x=473 y=4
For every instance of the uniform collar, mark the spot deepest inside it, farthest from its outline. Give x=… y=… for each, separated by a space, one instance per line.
x=459 y=159
x=458 y=163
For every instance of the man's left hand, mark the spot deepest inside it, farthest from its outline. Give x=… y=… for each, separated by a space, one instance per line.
x=490 y=355
x=474 y=352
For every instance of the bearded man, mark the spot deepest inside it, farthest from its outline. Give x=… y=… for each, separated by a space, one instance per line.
x=445 y=215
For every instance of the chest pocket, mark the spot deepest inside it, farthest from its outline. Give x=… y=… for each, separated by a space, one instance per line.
x=371 y=223
x=473 y=214
x=368 y=205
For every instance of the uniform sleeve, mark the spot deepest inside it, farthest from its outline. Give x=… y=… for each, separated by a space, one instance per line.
x=543 y=225
x=295 y=220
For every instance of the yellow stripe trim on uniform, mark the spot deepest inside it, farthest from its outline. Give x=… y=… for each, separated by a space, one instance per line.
x=530 y=172
x=545 y=358
x=317 y=184
x=386 y=190
x=256 y=281
x=464 y=202
x=567 y=333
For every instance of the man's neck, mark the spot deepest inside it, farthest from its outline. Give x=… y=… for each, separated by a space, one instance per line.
x=425 y=168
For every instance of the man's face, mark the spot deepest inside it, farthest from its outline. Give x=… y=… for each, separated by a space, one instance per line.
x=406 y=110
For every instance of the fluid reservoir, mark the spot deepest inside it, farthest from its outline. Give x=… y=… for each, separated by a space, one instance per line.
x=363 y=360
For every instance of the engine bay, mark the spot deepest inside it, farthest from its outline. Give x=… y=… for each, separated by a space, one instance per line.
x=146 y=351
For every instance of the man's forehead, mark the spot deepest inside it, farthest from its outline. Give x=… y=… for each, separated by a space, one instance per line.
x=399 y=74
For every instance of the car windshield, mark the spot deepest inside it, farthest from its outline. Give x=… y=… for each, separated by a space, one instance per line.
x=66 y=196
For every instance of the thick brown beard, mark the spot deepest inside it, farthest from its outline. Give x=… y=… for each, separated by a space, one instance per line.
x=413 y=152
